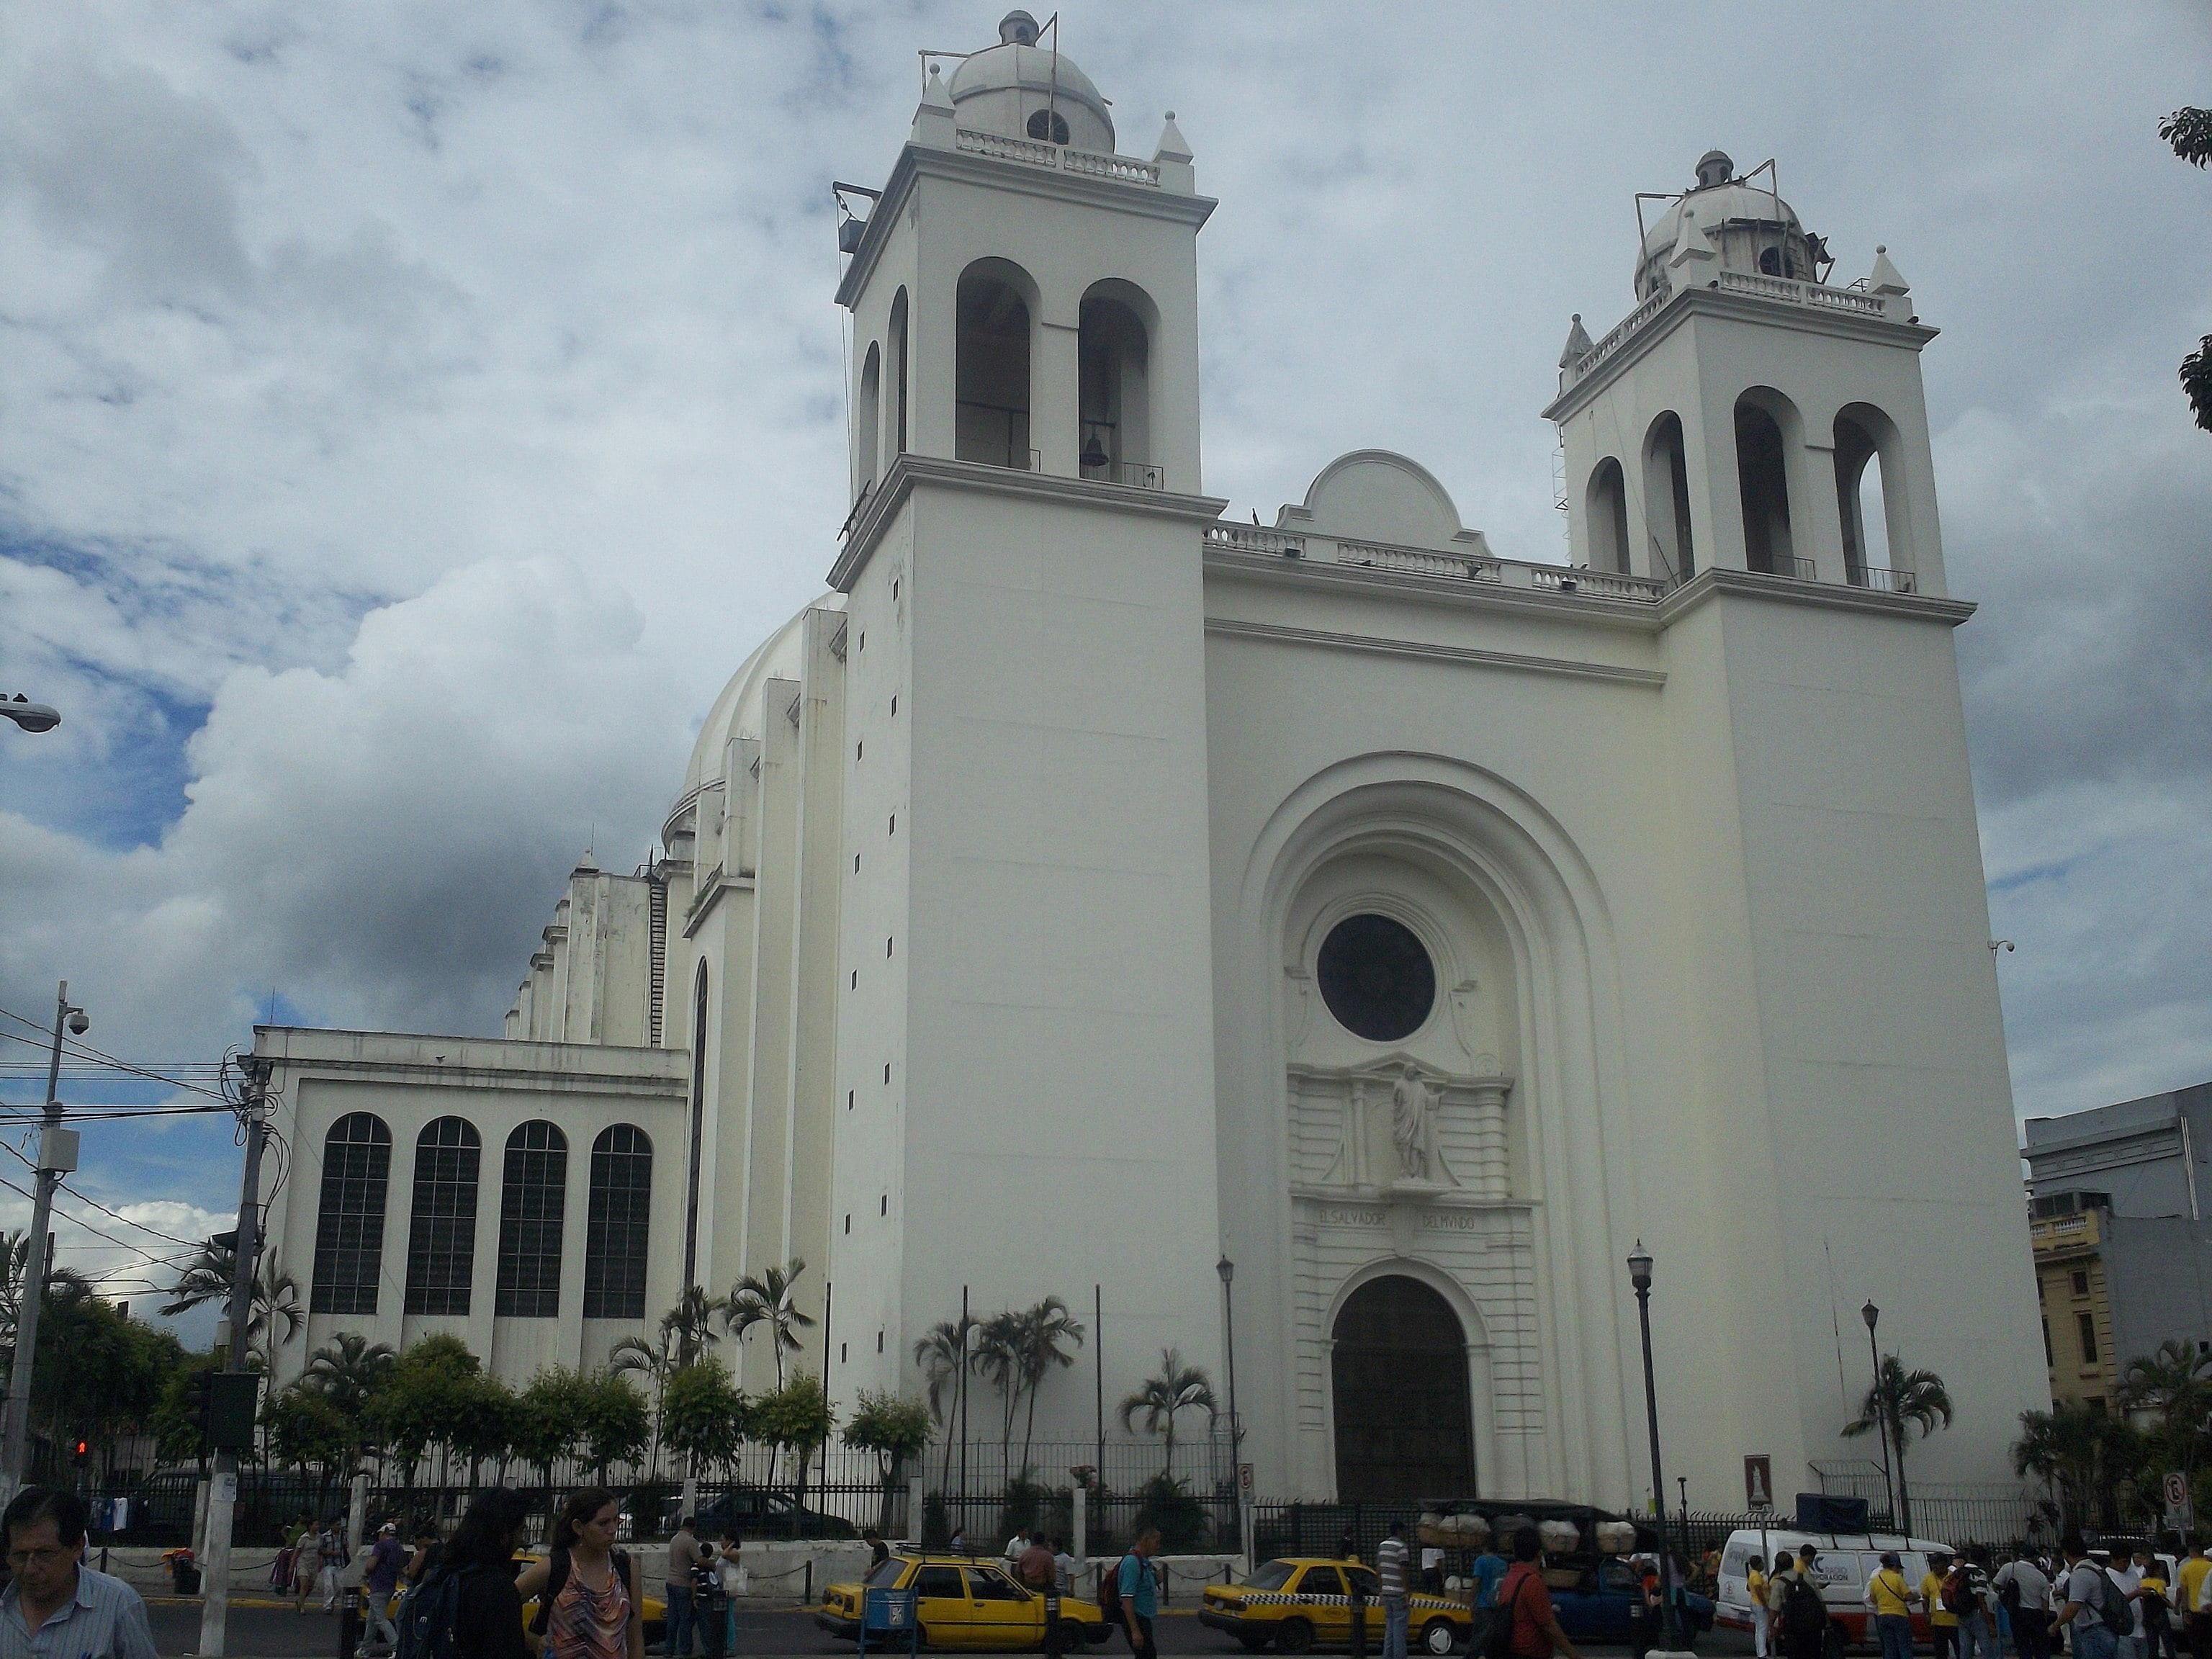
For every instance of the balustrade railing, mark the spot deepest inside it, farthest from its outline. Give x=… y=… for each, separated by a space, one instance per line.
x=1598 y=584
x=1418 y=562
x=1095 y=164
x=1251 y=539
x=1787 y=290
x=1886 y=581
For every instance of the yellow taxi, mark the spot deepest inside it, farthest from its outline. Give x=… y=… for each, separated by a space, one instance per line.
x=1302 y=1602
x=962 y=1604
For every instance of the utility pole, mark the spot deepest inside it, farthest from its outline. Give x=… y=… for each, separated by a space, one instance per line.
x=57 y=1158
x=222 y=1492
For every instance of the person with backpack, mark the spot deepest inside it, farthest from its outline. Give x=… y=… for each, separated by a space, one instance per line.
x=1967 y=1594
x=467 y=1606
x=1135 y=1598
x=588 y=1603
x=1942 y=1622
x=1525 y=1624
x=2024 y=1593
x=2095 y=1613
x=1800 y=1613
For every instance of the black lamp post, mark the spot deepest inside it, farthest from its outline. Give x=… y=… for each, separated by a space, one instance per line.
x=1872 y=1315
x=1227 y=1269
x=1639 y=1275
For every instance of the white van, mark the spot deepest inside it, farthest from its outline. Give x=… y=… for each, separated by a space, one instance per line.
x=1846 y=1560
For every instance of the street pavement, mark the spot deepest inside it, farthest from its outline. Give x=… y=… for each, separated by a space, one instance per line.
x=267 y=1630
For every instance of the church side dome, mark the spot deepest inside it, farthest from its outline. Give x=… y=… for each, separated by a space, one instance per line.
x=1749 y=226
x=1019 y=89
x=737 y=711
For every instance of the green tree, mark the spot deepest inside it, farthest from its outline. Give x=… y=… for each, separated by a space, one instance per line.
x=551 y=1421
x=2189 y=133
x=2083 y=1455
x=1900 y=1400
x=614 y=1420
x=349 y=1370
x=1177 y=1388
x=1001 y=1359
x=768 y=1299
x=1044 y=1329
x=798 y=1416
x=100 y=1375
x=896 y=1429
x=14 y=1264
x=702 y=1416
x=304 y=1428
x=942 y=1355
x=690 y=1323
x=484 y=1421
x=422 y=1396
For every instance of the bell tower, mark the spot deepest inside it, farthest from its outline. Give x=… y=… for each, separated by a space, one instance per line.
x=1748 y=414
x=1027 y=977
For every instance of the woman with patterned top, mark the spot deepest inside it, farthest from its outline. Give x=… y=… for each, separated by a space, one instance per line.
x=587 y=1589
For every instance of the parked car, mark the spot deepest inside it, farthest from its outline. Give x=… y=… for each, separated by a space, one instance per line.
x=961 y=1605
x=768 y=1512
x=1603 y=1606
x=1296 y=1603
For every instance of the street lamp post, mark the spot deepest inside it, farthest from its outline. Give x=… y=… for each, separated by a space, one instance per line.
x=57 y=1158
x=1872 y=1315
x=31 y=716
x=1639 y=1275
x=1227 y=1269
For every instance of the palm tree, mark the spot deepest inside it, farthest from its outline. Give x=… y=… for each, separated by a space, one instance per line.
x=766 y=1300
x=275 y=1299
x=349 y=1369
x=1898 y=1400
x=941 y=1355
x=14 y=1269
x=999 y=1352
x=634 y=1353
x=1178 y=1387
x=2172 y=1383
x=1044 y=1327
x=691 y=1323
x=2079 y=1453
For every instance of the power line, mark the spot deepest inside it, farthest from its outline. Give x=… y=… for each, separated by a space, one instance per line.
x=85 y=1051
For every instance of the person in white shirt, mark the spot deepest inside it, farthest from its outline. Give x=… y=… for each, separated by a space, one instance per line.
x=2024 y=1591
x=2129 y=1578
x=1018 y=1543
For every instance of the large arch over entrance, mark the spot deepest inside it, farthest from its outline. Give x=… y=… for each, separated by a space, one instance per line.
x=1399 y=1375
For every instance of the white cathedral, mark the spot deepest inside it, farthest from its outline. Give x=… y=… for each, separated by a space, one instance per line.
x=1085 y=891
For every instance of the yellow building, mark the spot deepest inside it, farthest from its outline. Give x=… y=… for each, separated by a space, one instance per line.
x=2078 y=1343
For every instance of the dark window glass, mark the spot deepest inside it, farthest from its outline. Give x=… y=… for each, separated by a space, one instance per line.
x=1050 y=126
x=940 y=1582
x=1322 y=1581
x=1376 y=978
x=2088 y=1329
x=2081 y=1283
x=1271 y=1576
x=532 y=1199
x=1399 y=1371
x=619 y=1233
x=350 y=1227
x=986 y=1585
x=441 y=1240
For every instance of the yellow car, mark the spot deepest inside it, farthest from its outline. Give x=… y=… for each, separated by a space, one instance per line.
x=962 y=1604
x=1300 y=1603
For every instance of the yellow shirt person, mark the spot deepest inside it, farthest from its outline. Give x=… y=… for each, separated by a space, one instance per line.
x=1887 y=1593
x=1931 y=1592
x=2192 y=1583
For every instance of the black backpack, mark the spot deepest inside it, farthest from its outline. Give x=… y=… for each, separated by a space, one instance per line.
x=1498 y=1640
x=428 y=1614
x=1803 y=1612
x=2112 y=1605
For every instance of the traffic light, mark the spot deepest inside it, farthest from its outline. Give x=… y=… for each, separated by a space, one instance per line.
x=234 y=1403
x=80 y=1451
x=196 y=1390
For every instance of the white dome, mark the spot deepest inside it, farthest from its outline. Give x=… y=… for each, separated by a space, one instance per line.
x=738 y=712
x=1017 y=82
x=1751 y=228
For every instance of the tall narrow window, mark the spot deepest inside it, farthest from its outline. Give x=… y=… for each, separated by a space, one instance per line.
x=2086 y=1325
x=350 y=1226
x=991 y=419
x=532 y=1197
x=898 y=373
x=441 y=1238
x=868 y=421
x=1867 y=446
x=619 y=1231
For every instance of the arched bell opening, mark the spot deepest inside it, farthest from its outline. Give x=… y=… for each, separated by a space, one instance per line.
x=991 y=418
x=1763 y=478
x=896 y=445
x=1399 y=1384
x=1113 y=355
x=1870 y=500
x=867 y=424
x=1606 y=514
x=1667 y=500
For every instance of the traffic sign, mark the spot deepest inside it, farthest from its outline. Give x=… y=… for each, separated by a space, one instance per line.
x=1759 y=1483
x=1244 y=1480
x=2177 y=1499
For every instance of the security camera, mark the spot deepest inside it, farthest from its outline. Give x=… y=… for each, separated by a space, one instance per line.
x=31 y=716
x=78 y=1023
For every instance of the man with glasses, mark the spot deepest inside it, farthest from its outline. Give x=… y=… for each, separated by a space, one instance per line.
x=56 y=1607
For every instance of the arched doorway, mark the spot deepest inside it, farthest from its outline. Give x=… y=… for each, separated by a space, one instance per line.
x=1400 y=1379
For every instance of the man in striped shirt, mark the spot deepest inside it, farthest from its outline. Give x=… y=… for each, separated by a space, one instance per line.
x=56 y=1607
x=1390 y=1562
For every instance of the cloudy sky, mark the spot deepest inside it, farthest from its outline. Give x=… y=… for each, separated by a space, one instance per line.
x=410 y=413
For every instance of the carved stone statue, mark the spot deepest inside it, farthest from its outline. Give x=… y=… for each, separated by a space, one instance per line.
x=1414 y=1102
